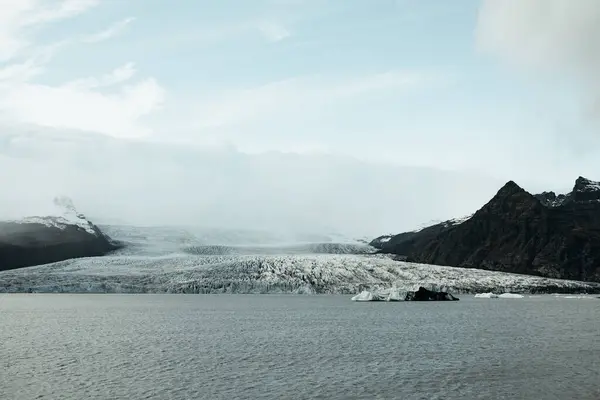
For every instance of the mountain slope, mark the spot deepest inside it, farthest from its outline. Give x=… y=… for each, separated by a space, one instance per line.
x=46 y=239
x=546 y=235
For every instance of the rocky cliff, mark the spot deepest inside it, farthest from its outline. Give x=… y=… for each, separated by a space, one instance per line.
x=44 y=239
x=549 y=235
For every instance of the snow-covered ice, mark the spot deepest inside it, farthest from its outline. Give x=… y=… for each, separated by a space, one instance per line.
x=584 y=297
x=498 y=296
x=511 y=296
x=486 y=296
x=365 y=295
x=173 y=260
x=320 y=273
x=392 y=294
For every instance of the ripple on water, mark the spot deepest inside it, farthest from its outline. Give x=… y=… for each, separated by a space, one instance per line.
x=273 y=347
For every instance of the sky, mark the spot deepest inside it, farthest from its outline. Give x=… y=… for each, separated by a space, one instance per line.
x=349 y=115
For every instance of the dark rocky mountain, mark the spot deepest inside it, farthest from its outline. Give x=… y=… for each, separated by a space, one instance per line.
x=41 y=240
x=429 y=295
x=549 y=235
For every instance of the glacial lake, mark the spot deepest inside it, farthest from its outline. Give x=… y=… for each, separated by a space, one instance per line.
x=68 y=346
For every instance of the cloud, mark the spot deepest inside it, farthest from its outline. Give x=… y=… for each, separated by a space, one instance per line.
x=118 y=75
x=546 y=36
x=273 y=32
x=143 y=182
x=110 y=32
x=59 y=10
x=78 y=104
x=21 y=72
x=303 y=93
x=17 y=16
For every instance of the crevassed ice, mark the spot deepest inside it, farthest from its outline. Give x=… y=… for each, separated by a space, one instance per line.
x=321 y=273
x=159 y=261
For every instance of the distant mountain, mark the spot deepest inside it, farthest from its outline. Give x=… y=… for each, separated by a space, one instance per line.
x=44 y=239
x=556 y=236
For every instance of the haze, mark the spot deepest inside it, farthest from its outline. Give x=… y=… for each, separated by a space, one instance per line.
x=362 y=117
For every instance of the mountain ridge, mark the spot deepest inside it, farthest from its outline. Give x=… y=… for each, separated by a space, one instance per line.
x=37 y=240
x=555 y=236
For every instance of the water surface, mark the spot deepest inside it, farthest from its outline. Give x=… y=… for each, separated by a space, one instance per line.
x=297 y=347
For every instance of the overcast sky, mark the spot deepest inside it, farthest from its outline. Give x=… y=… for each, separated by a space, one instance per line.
x=368 y=116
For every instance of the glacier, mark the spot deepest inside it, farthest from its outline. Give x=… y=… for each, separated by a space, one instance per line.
x=186 y=260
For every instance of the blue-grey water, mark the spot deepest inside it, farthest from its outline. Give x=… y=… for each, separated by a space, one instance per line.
x=296 y=347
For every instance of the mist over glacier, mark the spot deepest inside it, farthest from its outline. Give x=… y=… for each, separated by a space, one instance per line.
x=152 y=183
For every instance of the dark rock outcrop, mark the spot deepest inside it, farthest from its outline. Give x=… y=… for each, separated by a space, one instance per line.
x=428 y=295
x=43 y=240
x=550 y=199
x=545 y=235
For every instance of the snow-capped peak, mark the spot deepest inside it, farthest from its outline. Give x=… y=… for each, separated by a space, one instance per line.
x=427 y=225
x=586 y=190
x=62 y=214
x=585 y=185
x=457 y=221
x=445 y=224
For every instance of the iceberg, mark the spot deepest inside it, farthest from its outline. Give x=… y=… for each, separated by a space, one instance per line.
x=365 y=295
x=486 y=296
x=511 y=296
x=394 y=295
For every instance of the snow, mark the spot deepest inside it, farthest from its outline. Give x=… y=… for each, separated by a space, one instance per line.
x=446 y=224
x=558 y=202
x=427 y=225
x=160 y=260
x=457 y=221
x=62 y=214
x=486 y=296
x=381 y=240
x=589 y=186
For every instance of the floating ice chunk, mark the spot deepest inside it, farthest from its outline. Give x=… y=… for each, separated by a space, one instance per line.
x=511 y=296
x=486 y=296
x=394 y=295
x=363 y=296
x=369 y=296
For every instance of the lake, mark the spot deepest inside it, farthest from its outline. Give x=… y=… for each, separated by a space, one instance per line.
x=71 y=346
